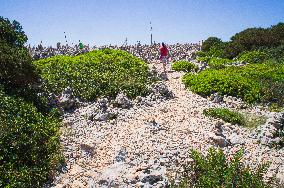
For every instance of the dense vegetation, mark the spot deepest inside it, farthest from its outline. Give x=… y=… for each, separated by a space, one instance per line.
x=247 y=40
x=219 y=63
x=29 y=133
x=183 y=66
x=16 y=68
x=252 y=57
x=216 y=170
x=29 y=130
x=260 y=80
x=226 y=115
x=97 y=73
x=29 y=143
x=29 y=136
x=253 y=83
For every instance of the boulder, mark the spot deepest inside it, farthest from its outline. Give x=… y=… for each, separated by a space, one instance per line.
x=216 y=98
x=152 y=179
x=268 y=133
x=122 y=101
x=161 y=89
x=220 y=141
x=66 y=99
x=103 y=103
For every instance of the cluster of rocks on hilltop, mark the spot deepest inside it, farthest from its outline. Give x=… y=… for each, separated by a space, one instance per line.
x=104 y=108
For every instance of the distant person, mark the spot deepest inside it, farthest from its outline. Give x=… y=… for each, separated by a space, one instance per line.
x=81 y=46
x=58 y=45
x=164 y=55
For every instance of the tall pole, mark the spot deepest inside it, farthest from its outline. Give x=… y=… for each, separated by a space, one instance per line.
x=65 y=37
x=151 y=29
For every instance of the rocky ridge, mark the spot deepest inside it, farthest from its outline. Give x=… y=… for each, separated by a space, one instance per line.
x=144 y=142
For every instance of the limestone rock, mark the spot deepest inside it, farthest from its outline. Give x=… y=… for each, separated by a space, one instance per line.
x=67 y=100
x=122 y=101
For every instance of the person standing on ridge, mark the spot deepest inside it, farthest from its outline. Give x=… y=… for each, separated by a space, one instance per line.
x=164 y=55
x=81 y=46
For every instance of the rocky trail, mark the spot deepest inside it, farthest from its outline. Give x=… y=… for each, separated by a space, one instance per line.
x=144 y=142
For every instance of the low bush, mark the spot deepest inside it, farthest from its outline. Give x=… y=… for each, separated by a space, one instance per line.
x=201 y=54
x=203 y=59
x=225 y=82
x=29 y=141
x=219 y=63
x=216 y=170
x=253 y=57
x=97 y=73
x=252 y=83
x=226 y=115
x=213 y=52
x=183 y=66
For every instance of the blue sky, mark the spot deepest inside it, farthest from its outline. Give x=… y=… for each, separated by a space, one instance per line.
x=111 y=21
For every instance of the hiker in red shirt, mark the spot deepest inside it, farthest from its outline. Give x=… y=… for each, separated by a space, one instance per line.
x=164 y=55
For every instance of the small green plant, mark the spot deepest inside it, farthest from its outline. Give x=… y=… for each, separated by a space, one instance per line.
x=183 y=66
x=253 y=57
x=219 y=63
x=217 y=171
x=226 y=115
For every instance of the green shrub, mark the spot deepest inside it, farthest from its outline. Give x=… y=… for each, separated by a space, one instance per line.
x=215 y=170
x=278 y=32
x=233 y=49
x=15 y=62
x=276 y=53
x=219 y=63
x=12 y=32
x=201 y=54
x=30 y=94
x=253 y=83
x=272 y=92
x=97 y=73
x=253 y=57
x=211 y=42
x=226 y=115
x=225 y=81
x=203 y=59
x=30 y=146
x=214 y=52
x=247 y=40
x=183 y=66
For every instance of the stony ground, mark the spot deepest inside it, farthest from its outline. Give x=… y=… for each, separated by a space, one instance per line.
x=148 y=142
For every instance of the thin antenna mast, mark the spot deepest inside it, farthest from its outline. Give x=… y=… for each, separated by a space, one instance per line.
x=65 y=37
x=151 y=29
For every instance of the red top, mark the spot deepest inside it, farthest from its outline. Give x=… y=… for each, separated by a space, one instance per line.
x=164 y=51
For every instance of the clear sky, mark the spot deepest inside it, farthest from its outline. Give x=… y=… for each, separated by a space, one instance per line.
x=111 y=21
